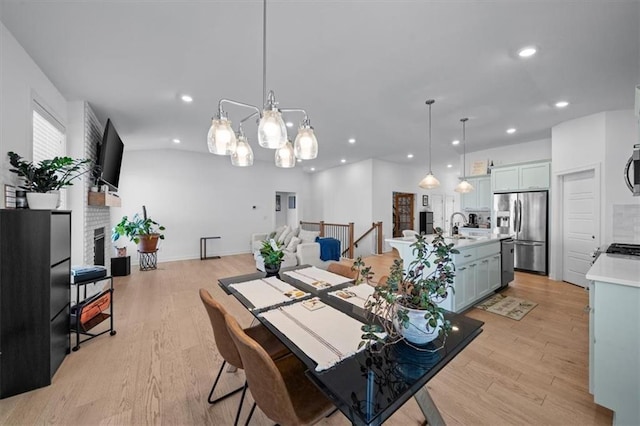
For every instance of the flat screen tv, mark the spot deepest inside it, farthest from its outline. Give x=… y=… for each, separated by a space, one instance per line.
x=109 y=157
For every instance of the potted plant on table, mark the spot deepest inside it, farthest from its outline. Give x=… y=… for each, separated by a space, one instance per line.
x=142 y=230
x=44 y=179
x=272 y=255
x=406 y=307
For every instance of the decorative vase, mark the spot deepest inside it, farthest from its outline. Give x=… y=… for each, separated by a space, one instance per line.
x=272 y=270
x=43 y=200
x=417 y=331
x=148 y=243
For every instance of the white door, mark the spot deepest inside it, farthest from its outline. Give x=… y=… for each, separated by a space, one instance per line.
x=580 y=224
x=436 y=202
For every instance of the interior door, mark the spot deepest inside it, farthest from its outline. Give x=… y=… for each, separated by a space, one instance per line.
x=581 y=224
x=403 y=217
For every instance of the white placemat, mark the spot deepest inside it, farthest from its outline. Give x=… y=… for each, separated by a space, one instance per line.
x=267 y=292
x=318 y=278
x=356 y=295
x=326 y=335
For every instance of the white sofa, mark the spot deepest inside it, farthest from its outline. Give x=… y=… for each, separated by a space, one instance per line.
x=306 y=252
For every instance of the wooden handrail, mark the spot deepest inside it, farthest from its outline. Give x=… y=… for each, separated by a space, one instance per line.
x=345 y=233
x=377 y=226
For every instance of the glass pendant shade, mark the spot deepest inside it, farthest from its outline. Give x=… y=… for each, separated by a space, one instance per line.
x=221 y=138
x=285 y=157
x=306 y=144
x=464 y=187
x=272 y=132
x=429 y=182
x=243 y=155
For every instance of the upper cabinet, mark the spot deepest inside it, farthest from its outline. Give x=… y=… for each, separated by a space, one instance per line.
x=524 y=177
x=480 y=198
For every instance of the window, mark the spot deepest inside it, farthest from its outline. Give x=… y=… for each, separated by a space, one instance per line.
x=48 y=140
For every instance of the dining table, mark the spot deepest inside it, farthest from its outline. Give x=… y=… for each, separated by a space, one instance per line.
x=317 y=315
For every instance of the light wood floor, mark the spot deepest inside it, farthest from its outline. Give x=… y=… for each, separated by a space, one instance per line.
x=160 y=366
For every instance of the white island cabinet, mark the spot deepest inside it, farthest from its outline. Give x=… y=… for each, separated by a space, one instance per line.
x=614 y=336
x=478 y=268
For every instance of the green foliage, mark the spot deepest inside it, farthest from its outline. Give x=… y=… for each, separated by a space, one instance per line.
x=136 y=226
x=271 y=252
x=47 y=175
x=364 y=272
x=426 y=282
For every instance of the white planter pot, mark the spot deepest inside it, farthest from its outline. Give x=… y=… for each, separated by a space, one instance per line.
x=43 y=201
x=418 y=331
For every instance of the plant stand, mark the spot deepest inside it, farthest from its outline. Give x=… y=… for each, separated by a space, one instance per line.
x=77 y=327
x=148 y=260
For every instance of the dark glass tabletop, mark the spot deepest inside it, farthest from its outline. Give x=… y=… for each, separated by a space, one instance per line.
x=370 y=386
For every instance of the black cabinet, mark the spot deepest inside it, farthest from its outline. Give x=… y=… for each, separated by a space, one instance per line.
x=426 y=223
x=35 y=263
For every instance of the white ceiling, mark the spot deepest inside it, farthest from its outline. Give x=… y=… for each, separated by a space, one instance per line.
x=361 y=69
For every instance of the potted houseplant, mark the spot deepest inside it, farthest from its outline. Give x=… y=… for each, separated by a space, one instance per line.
x=142 y=230
x=271 y=252
x=406 y=307
x=44 y=179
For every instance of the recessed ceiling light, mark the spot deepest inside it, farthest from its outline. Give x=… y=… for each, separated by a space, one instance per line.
x=456 y=142
x=527 y=52
x=313 y=169
x=409 y=155
x=449 y=166
x=562 y=104
x=511 y=131
x=175 y=140
x=186 y=98
x=352 y=140
x=343 y=160
x=289 y=124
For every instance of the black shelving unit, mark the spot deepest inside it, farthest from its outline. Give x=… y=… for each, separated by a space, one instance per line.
x=35 y=264
x=85 y=329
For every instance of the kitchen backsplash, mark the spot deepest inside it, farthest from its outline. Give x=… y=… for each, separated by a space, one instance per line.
x=626 y=223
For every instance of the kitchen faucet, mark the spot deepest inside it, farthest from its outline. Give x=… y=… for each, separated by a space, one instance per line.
x=451 y=221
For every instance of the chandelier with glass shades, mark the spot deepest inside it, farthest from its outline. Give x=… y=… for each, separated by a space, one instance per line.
x=429 y=181
x=464 y=186
x=272 y=131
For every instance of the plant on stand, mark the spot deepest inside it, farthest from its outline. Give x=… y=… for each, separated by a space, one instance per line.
x=406 y=307
x=142 y=230
x=272 y=255
x=46 y=177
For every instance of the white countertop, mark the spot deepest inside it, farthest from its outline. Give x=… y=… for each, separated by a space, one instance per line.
x=458 y=242
x=616 y=269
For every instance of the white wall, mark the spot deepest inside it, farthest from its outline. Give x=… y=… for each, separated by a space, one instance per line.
x=20 y=81
x=602 y=141
x=196 y=195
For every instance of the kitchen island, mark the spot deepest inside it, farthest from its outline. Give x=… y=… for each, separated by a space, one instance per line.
x=614 y=336
x=478 y=267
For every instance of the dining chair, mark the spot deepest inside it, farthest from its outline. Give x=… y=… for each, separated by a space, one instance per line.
x=270 y=344
x=279 y=387
x=344 y=270
x=410 y=233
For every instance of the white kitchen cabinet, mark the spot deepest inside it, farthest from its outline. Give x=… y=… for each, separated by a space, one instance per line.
x=535 y=176
x=495 y=271
x=480 y=198
x=483 y=287
x=523 y=177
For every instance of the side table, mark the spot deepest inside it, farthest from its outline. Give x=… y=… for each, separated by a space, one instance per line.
x=203 y=248
x=148 y=260
x=120 y=266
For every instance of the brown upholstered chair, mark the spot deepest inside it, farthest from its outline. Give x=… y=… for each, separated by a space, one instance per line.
x=382 y=281
x=270 y=344
x=279 y=387
x=344 y=270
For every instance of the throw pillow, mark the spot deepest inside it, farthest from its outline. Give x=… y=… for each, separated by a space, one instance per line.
x=279 y=231
x=308 y=236
x=293 y=244
x=288 y=238
x=296 y=231
x=282 y=236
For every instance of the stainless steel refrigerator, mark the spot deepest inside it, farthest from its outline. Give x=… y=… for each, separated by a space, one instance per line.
x=525 y=216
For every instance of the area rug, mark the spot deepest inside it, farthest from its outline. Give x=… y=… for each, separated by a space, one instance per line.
x=507 y=306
